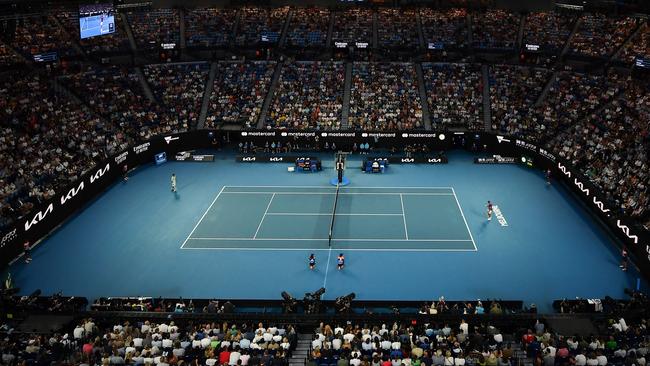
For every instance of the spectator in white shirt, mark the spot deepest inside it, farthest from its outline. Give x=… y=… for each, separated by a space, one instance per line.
x=78 y=332
x=235 y=355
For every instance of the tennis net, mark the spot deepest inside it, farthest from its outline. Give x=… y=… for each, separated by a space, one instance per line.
x=336 y=200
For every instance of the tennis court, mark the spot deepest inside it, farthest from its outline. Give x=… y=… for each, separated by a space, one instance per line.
x=313 y=218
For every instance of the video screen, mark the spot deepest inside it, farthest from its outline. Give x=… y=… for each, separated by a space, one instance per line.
x=96 y=20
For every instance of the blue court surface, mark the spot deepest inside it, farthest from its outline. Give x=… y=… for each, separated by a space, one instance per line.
x=361 y=219
x=245 y=231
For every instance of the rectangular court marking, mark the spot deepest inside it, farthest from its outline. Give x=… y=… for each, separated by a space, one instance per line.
x=329 y=190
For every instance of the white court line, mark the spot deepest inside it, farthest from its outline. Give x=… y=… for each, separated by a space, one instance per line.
x=201 y=219
x=467 y=226
x=350 y=239
x=327 y=268
x=401 y=200
x=332 y=187
x=346 y=249
x=263 y=217
x=334 y=239
x=327 y=214
x=345 y=193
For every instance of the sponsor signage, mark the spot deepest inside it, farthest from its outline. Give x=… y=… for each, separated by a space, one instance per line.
x=121 y=158
x=188 y=156
x=8 y=238
x=532 y=47
x=258 y=133
x=412 y=160
x=420 y=135
x=143 y=147
x=338 y=134
x=526 y=145
x=387 y=136
x=272 y=158
x=65 y=198
x=169 y=139
x=496 y=159
x=499 y=215
x=297 y=134
x=379 y=134
x=547 y=154
x=340 y=44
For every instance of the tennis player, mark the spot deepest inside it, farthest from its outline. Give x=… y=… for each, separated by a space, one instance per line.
x=340 y=261
x=624 y=259
x=489 y=210
x=548 y=176
x=27 y=252
x=173 y=182
x=312 y=261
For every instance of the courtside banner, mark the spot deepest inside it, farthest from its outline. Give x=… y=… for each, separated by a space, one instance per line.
x=265 y=158
x=344 y=139
x=496 y=159
x=52 y=213
x=635 y=238
x=413 y=160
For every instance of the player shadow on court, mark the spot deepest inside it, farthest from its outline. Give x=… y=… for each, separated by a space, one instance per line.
x=484 y=224
x=478 y=213
x=177 y=196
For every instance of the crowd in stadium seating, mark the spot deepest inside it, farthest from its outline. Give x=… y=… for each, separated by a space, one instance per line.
x=611 y=148
x=600 y=35
x=513 y=92
x=571 y=97
x=495 y=29
x=475 y=344
x=116 y=93
x=161 y=343
x=48 y=141
x=455 y=94
x=239 y=92
x=209 y=27
x=639 y=46
x=152 y=27
x=260 y=25
x=8 y=56
x=384 y=96
x=446 y=27
x=179 y=89
x=40 y=34
x=308 y=27
x=353 y=25
x=308 y=94
x=397 y=28
x=470 y=342
x=549 y=30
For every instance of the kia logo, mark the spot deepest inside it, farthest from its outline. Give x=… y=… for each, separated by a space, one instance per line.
x=39 y=217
